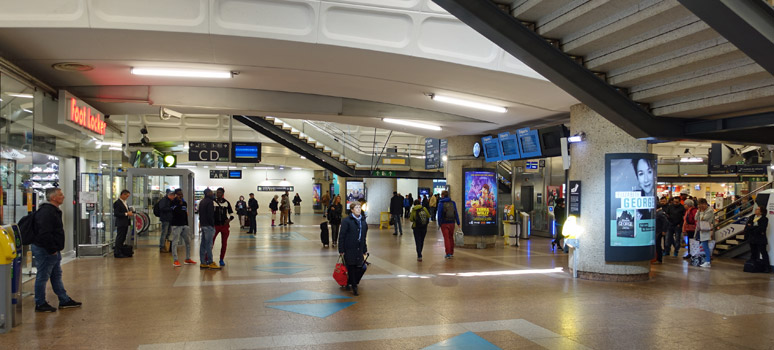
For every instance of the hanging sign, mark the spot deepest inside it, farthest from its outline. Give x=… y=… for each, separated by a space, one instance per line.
x=199 y=151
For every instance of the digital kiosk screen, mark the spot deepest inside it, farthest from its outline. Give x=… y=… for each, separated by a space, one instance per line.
x=246 y=152
x=630 y=206
x=235 y=174
x=479 y=202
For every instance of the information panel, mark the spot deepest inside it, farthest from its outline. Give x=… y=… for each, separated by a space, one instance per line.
x=444 y=145
x=529 y=143
x=491 y=148
x=630 y=206
x=479 y=202
x=575 y=198
x=199 y=151
x=275 y=188
x=246 y=152
x=509 y=145
x=432 y=153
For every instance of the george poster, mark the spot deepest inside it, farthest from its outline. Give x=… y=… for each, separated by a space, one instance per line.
x=630 y=206
x=355 y=191
x=316 y=188
x=479 y=209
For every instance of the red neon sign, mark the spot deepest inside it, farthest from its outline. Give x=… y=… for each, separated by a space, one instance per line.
x=84 y=117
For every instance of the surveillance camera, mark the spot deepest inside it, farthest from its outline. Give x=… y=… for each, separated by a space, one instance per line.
x=144 y=140
x=144 y=131
x=166 y=113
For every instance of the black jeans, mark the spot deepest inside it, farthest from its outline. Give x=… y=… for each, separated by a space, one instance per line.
x=758 y=250
x=252 y=224
x=120 y=238
x=674 y=234
x=335 y=232
x=419 y=239
x=659 y=248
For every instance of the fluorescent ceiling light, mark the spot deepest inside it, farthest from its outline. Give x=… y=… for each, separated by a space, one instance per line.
x=691 y=160
x=302 y=157
x=109 y=143
x=112 y=148
x=296 y=168
x=206 y=167
x=263 y=168
x=186 y=166
x=185 y=73
x=466 y=103
x=412 y=124
x=221 y=167
x=26 y=110
x=19 y=95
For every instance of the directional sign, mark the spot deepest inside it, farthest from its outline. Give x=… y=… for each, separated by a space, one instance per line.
x=199 y=151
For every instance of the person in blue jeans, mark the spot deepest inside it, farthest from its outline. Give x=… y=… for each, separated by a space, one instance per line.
x=207 y=223
x=47 y=244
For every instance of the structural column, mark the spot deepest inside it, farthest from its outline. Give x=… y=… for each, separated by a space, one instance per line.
x=588 y=166
x=459 y=156
x=379 y=195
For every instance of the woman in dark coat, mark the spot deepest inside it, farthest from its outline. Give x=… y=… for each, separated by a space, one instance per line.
x=241 y=208
x=755 y=229
x=352 y=244
x=334 y=218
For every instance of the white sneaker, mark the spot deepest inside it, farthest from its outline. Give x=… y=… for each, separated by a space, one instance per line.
x=706 y=264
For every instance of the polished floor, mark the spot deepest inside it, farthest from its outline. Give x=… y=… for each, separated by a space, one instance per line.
x=276 y=292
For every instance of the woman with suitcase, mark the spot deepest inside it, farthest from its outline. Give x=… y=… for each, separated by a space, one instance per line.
x=352 y=244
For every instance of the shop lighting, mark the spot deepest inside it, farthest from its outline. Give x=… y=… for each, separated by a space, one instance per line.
x=467 y=103
x=302 y=157
x=184 y=73
x=691 y=160
x=579 y=137
x=412 y=124
x=13 y=94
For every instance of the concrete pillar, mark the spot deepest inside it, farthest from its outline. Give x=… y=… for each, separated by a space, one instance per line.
x=379 y=193
x=588 y=165
x=460 y=155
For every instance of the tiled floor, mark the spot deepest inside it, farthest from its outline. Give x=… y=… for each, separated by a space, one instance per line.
x=530 y=302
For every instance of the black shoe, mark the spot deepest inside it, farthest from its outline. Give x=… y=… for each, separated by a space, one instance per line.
x=120 y=256
x=347 y=287
x=44 y=308
x=354 y=290
x=394 y=234
x=70 y=304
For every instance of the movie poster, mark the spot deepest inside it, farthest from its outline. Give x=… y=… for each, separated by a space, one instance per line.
x=479 y=215
x=316 y=188
x=632 y=198
x=552 y=194
x=355 y=191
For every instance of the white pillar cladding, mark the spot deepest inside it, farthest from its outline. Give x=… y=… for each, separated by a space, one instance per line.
x=406 y=186
x=379 y=192
x=588 y=165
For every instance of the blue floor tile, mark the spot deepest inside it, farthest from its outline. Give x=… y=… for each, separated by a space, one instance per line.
x=304 y=295
x=316 y=310
x=467 y=340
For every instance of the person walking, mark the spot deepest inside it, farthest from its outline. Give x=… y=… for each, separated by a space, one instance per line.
x=165 y=209
x=252 y=212
x=352 y=244
x=396 y=210
x=704 y=218
x=433 y=206
x=334 y=218
x=122 y=214
x=419 y=218
x=425 y=203
x=756 y=229
x=274 y=206
x=297 y=204
x=560 y=215
x=675 y=212
x=325 y=200
x=179 y=229
x=207 y=224
x=662 y=227
x=284 y=210
x=447 y=218
x=407 y=202
x=47 y=243
x=241 y=209
x=223 y=219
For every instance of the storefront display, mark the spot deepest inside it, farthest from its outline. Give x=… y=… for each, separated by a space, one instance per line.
x=630 y=206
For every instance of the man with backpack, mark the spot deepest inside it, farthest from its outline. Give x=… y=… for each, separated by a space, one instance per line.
x=164 y=212
x=447 y=218
x=46 y=244
x=420 y=217
x=222 y=221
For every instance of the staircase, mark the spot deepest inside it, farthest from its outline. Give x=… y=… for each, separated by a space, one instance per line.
x=730 y=242
x=504 y=173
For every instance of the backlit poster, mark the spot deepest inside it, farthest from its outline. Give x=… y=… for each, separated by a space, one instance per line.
x=630 y=206
x=355 y=191
x=479 y=205
x=316 y=188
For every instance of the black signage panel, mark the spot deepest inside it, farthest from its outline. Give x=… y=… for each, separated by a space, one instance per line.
x=218 y=174
x=432 y=153
x=208 y=151
x=575 y=198
x=275 y=188
x=751 y=169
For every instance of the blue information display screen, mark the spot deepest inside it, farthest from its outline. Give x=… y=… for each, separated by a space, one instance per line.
x=246 y=152
x=491 y=148
x=235 y=174
x=509 y=145
x=529 y=143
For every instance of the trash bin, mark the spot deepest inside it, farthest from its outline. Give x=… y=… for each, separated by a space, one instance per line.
x=511 y=231
x=7 y=255
x=526 y=225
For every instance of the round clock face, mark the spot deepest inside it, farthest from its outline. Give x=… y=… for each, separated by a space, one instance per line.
x=476 y=149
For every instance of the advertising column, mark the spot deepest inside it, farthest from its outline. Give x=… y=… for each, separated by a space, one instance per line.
x=479 y=208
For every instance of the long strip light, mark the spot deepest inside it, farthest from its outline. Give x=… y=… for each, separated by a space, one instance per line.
x=467 y=103
x=13 y=94
x=691 y=160
x=412 y=124
x=185 y=73
x=113 y=148
x=111 y=144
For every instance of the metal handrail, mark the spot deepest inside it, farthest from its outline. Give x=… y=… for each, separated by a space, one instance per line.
x=721 y=219
x=362 y=147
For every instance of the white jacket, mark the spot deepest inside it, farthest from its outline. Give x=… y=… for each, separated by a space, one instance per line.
x=706 y=216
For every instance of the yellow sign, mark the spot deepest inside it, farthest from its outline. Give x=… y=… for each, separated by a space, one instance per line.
x=394 y=161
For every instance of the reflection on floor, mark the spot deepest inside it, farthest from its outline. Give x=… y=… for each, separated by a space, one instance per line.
x=277 y=292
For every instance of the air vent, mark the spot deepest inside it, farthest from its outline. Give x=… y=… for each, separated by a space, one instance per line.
x=72 y=67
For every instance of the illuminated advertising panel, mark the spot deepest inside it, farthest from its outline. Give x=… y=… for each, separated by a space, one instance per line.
x=479 y=202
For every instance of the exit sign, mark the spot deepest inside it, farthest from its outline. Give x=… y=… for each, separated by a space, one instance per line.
x=387 y=173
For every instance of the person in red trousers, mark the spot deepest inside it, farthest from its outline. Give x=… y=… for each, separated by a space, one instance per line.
x=447 y=218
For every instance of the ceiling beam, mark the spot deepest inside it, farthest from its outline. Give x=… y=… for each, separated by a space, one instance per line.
x=536 y=52
x=748 y=24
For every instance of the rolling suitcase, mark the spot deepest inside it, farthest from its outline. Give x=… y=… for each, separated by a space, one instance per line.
x=324 y=234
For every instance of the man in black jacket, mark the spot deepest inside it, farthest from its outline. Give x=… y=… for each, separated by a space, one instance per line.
x=396 y=209
x=207 y=224
x=675 y=212
x=252 y=211
x=48 y=241
x=122 y=214
x=165 y=207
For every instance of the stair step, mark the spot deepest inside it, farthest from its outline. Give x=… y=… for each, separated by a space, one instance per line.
x=732 y=241
x=271 y=119
x=722 y=246
x=740 y=237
